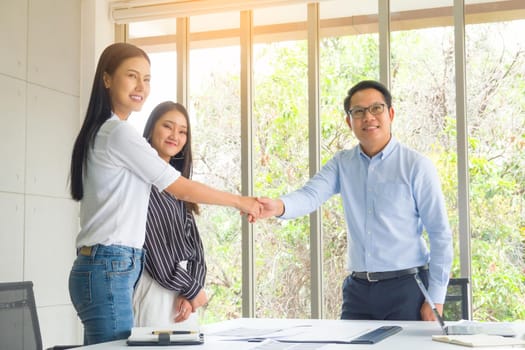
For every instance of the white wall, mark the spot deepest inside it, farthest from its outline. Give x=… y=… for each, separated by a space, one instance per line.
x=49 y=50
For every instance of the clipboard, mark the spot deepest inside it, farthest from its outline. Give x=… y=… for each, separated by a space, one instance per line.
x=165 y=340
x=145 y=337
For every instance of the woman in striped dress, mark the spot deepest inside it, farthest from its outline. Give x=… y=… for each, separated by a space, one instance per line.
x=171 y=287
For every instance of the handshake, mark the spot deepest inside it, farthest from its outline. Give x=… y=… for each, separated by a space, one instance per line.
x=260 y=208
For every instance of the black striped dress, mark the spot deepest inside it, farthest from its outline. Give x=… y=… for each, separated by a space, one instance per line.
x=172 y=237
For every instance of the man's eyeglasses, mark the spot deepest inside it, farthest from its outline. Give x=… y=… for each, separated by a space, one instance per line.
x=359 y=112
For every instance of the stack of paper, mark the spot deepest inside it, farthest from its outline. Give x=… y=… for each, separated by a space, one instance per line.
x=464 y=327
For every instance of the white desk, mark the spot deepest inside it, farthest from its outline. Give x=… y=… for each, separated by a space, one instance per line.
x=414 y=336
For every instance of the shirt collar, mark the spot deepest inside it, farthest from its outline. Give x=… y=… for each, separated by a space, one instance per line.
x=389 y=148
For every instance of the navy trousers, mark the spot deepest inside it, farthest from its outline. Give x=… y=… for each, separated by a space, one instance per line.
x=392 y=299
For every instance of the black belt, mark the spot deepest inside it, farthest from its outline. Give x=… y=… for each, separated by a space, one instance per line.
x=381 y=276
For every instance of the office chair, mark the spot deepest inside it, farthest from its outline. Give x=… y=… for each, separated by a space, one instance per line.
x=456 y=301
x=19 y=327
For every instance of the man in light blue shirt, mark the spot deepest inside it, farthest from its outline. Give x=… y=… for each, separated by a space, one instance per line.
x=390 y=195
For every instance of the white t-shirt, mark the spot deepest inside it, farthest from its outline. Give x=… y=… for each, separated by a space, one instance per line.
x=121 y=168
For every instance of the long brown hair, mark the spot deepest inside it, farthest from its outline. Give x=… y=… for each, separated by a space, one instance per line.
x=182 y=161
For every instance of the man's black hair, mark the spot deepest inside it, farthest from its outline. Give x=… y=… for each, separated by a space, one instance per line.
x=367 y=84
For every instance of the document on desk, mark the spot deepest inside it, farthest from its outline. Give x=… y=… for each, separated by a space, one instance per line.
x=243 y=333
x=270 y=344
x=478 y=340
x=334 y=333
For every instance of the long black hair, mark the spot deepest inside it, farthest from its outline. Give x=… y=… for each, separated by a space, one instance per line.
x=98 y=111
x=182 y=161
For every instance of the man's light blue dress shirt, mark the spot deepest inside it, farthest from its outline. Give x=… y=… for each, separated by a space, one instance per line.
x=387 y=201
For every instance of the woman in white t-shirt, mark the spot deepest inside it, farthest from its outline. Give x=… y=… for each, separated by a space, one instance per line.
x=112 y=170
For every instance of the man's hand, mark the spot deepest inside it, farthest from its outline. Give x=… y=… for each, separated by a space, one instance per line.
x=427 y=314
x=271 y=207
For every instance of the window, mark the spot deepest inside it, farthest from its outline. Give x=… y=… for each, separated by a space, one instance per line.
x=423 y=83
x=215 y=110
x=496 y=120
x=281 y=149
x=347 y=56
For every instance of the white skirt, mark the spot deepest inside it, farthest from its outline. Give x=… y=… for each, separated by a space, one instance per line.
x=153 y=305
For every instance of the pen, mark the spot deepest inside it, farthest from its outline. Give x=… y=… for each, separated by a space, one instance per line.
x=172 y=332
x=429 y=301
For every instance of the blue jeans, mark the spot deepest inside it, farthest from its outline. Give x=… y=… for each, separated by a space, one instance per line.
x=101 y=289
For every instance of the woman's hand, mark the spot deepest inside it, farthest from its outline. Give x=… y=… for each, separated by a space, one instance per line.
x=182 y=309
x=200 y=300
x=251 y=207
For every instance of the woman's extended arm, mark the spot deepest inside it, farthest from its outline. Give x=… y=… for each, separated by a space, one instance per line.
x=196 y=192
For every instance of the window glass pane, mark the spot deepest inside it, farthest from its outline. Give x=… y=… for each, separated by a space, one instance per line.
x=215 y=112
x=423 y=92
x=495 y=71
x=282 y=285
x=152 y=28
x=215 y=21
x=279 y=15
x=344 y=9
x=163 y=85
x=345 y=59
